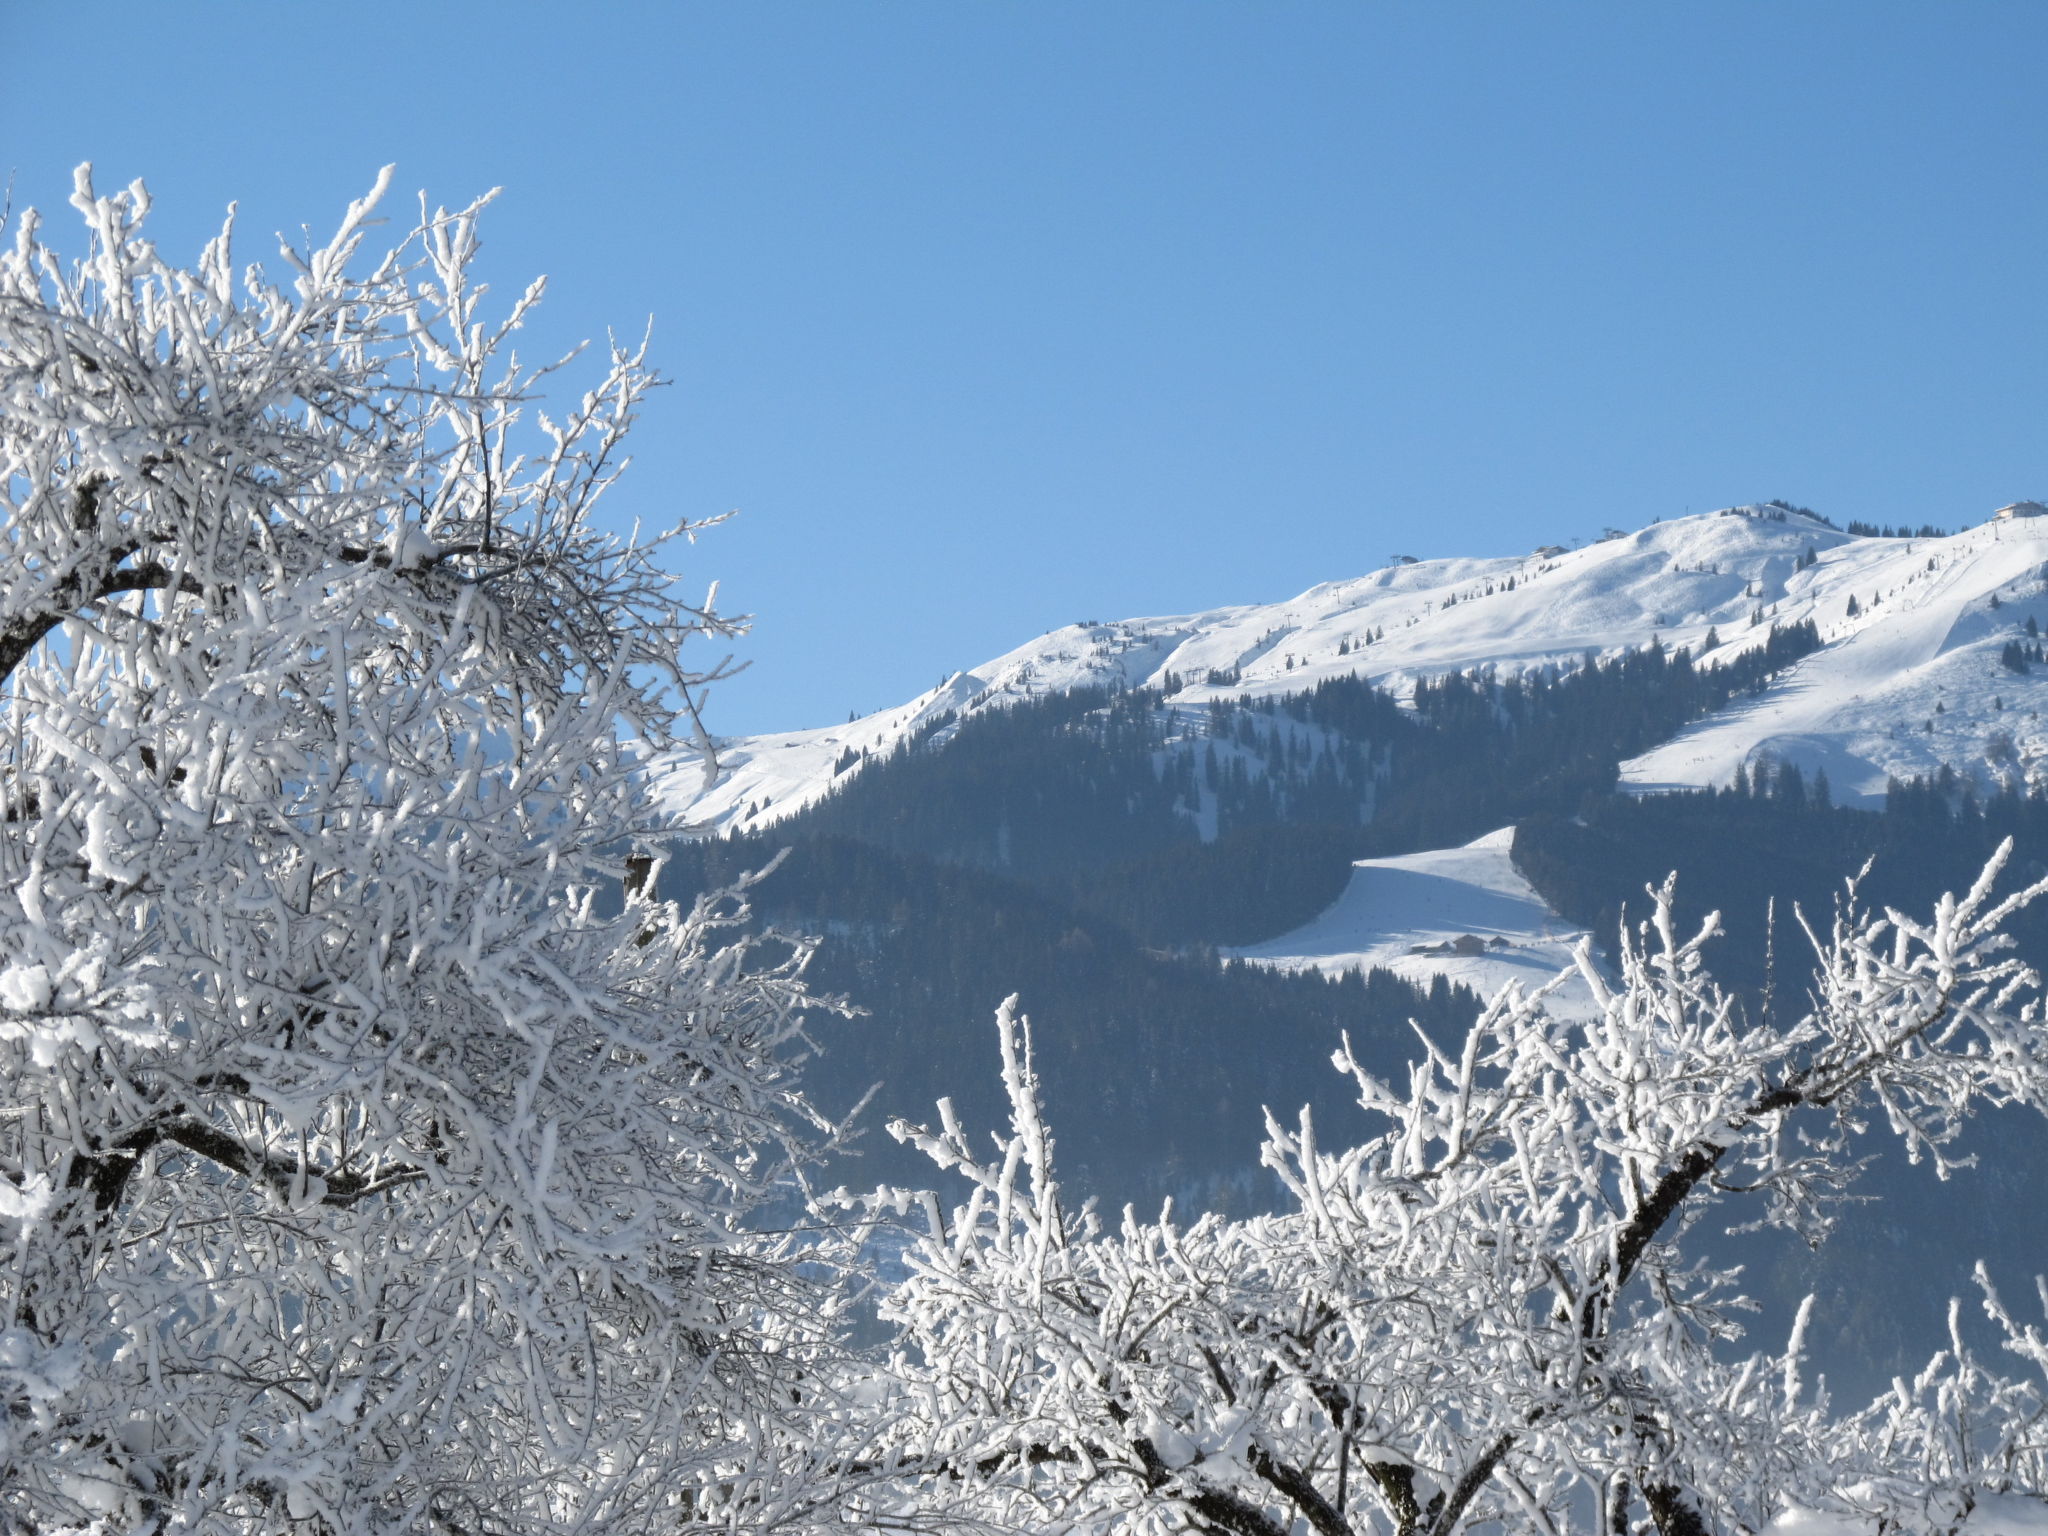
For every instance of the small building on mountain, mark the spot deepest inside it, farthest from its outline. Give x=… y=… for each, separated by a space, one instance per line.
x=1466 y=944
x=2018 y=509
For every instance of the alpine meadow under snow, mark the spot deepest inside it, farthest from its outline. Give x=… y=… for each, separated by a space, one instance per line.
x=379 y=1154
x=1462 y=913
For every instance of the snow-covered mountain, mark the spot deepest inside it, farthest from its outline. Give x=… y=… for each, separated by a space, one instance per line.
x=1908 y=678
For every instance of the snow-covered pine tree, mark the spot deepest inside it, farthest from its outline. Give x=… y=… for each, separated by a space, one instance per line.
x=1495 y=1314
x=366 y=1163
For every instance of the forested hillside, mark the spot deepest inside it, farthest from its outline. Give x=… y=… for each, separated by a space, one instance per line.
x=1229 y=822
x=1161 y=1063
x=1775 y=842
x=1092 y=850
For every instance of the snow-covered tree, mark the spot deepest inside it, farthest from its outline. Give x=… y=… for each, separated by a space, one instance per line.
x=368 y=1161
x=1494 y=1313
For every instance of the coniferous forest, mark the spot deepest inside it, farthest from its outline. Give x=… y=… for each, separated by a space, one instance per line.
x=1094 y=851
x=1057 y=850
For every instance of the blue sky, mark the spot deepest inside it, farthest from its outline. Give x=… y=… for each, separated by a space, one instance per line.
x=991 y=317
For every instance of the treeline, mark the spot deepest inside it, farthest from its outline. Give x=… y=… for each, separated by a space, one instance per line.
x=1234 y=823
x=1873 y=531
x=1502 y=749
x=1343 y=772
x=1774 y=838
x=1776 y=510
x=1034 y=790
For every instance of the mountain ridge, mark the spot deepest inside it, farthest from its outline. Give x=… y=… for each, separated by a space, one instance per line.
x=1908 y=623
x=1379 y=778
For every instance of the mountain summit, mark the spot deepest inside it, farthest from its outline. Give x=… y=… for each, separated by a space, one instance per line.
x=1909 y=676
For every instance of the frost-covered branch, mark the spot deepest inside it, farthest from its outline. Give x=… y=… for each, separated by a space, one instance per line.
x=1488 y=1312
x=365 y=1159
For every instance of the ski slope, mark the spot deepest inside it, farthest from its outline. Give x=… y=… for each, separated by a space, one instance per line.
x=1926 y=633
x=1395 y=908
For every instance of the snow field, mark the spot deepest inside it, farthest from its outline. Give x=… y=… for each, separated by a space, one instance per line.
x=1395 y=907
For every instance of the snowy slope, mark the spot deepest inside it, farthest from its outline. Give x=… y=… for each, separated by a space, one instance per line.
x=1926 y=633
x=1395 y=907
x=1991 y=1514
x=1911 y=683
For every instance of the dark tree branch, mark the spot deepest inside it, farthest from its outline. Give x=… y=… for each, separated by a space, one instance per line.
x=1296 y=1485
x=1468 y=1486
x=1671 y=1191
x=1678 y=1182
x=105 y=577
x=107 y=1173
x=1397 y=1491
x=1617 y=1511
x=1672 y=1512
x=23 y=633
x=1216 y=1508
x=1221 y=1510
x=355 y=554
x=283 y=1174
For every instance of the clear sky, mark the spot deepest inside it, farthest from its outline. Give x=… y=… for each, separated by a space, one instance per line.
x=991 y=317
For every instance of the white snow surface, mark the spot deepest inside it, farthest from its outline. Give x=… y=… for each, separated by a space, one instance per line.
x=1926 y=634
x=1993 y=1514
x=1394 y=907
x=1921 y=653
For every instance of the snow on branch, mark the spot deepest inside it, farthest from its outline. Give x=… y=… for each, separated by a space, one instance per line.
x=1492 y=1311
x=370 y=1156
